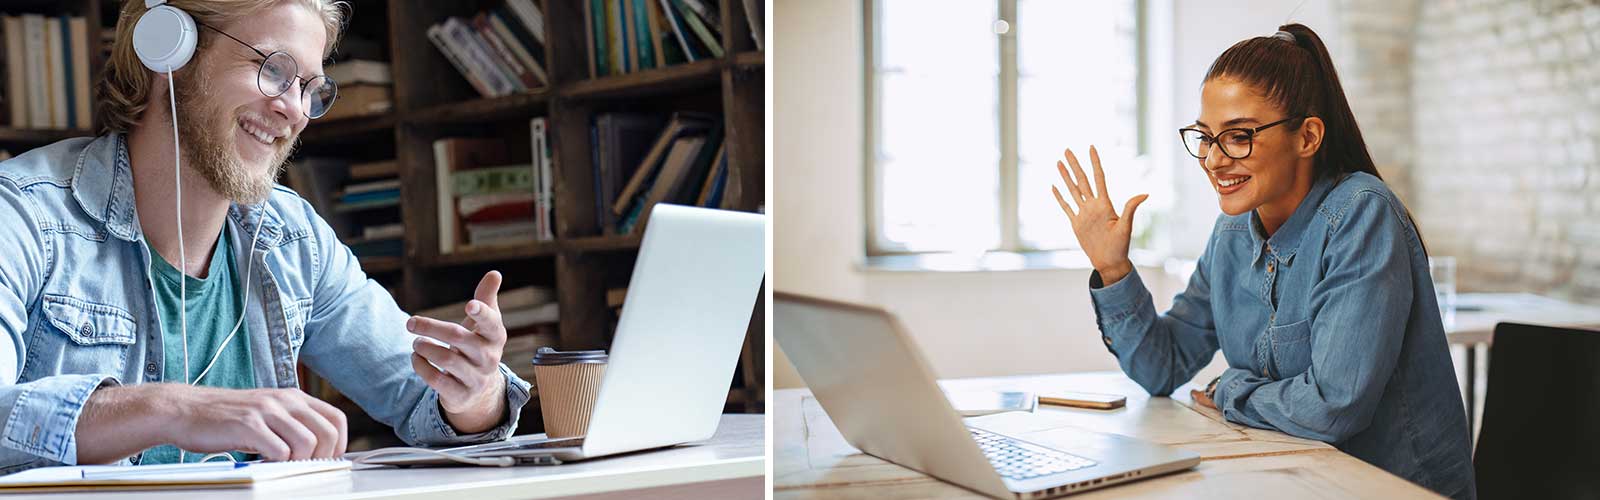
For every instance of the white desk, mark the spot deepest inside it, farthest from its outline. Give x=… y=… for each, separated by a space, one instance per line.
x=731 y=465
x=1475 y=326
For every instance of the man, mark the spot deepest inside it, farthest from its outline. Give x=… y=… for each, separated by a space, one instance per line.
x=97 y=356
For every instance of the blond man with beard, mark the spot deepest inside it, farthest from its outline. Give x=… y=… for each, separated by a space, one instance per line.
x=127 y=336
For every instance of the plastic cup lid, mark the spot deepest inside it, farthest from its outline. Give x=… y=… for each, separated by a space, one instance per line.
x=546 y=356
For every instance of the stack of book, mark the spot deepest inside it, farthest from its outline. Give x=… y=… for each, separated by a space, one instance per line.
x=373 y=190
x=624 y=36
x=484 y=198
x=360 y=201
x=500 y=51
x=685 y=163
x=47 y=71
x=365 y=88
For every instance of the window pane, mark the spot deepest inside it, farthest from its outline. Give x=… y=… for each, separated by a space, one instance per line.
x=1077 y=85
x=938 y=109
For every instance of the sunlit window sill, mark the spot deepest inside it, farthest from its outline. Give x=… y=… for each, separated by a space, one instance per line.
x=998 y=261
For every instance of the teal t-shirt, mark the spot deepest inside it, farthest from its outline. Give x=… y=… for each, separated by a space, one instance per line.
x=214 y=305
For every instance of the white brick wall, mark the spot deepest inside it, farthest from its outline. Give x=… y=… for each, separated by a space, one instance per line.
x=1486 y=113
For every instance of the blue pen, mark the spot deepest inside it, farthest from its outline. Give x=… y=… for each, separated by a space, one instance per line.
x=138 y=470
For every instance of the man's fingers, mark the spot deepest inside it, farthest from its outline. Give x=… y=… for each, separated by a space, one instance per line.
x=325 y=433
x=444 y=331
x=453 y=361
x=1099 y=174
x=1071 y=215
x=335 y=417
x=263 y=441
x=1077 y=173
x=486 y=322
x=302 y=442
x=489 y=289
x=447 y=386
x=1072 y=186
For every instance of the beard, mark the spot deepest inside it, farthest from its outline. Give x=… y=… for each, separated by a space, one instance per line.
x=209 y=148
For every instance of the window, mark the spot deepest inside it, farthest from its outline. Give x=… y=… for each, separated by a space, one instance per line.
x=970 y=104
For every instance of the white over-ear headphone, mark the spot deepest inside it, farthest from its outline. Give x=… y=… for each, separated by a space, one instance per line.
x=164 y=37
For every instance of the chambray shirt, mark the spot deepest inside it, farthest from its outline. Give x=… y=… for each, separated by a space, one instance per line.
x=77 y=310
x=1330 y=329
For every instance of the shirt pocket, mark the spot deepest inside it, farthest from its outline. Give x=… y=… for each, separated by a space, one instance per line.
x=1291 y=349
x=299 y=314
x=82 y=337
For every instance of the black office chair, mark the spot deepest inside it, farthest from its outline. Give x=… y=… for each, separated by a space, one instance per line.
x=1541 y=416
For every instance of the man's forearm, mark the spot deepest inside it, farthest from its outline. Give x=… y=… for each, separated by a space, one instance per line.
x=117 y=422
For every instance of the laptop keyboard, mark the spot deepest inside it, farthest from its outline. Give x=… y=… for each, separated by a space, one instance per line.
x=1018 y=460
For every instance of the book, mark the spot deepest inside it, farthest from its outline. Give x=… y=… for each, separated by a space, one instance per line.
x=706 y=13
x=527 y=52
x=707 y=38
x=755 y=14
x=83 y=110
x=357 y=71
x=681 y=123
x=530 y=15
x=478 y=54
x=653 y=19
x=710 y=191
x=616 y=38
x=594 y=28
x=622 y=141
x=34 y=52
x=361 y=99
x=678 y=31
x=375 y=170
x=458 y=154
x=543 y=177
x=674 y=171
x=366 y=187
x=503 y=57
x=497 y=207
x=499 y=233
x=694 y=178
x=56 y=62
x=172 y=476
x=497 y=179
x=436 y=35
x=16 y=86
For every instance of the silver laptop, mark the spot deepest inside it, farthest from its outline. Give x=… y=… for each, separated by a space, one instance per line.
x=689 y=303
x=878 y=390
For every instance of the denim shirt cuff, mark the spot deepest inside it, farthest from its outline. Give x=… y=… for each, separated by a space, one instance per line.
x=435 y=430
x=44 y=418
x=1228 y=398
x=1115 y=303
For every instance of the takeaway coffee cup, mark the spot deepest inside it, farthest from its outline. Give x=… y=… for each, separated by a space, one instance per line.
x=568 y=383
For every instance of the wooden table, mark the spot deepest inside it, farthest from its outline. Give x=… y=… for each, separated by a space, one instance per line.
x=731 y=465
x=1477 y=313
x=812 y=460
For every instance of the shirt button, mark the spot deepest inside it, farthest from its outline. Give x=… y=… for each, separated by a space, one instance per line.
x=1270 y=267
x=87 y=330
x=150 y=369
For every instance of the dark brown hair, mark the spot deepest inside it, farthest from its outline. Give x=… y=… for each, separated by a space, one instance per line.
x=1299 y=77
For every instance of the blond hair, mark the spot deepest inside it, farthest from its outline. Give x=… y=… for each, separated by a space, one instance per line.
x=124 y=85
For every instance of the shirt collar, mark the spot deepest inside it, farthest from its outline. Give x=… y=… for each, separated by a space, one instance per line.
x=102 y=184
x=1286 y=240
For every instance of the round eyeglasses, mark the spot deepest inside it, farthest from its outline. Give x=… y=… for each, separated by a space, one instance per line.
x=1236 y=143
x=279 y=71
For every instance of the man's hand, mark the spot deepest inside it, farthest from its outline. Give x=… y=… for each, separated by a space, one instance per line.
x=278 y=424
x=466 y=375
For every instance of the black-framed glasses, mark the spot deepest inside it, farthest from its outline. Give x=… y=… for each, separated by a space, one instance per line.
x=1236 y=143
x=278 y=71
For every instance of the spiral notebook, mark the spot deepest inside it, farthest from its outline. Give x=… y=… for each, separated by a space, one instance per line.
x=176 y=476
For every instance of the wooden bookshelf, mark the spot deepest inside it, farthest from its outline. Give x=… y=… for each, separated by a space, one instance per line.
x=432 y=100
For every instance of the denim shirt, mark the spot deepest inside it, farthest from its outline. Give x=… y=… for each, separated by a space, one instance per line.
x=77 y=310
x=1329 y=327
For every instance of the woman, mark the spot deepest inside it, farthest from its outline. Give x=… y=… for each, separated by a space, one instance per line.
x=1314 y=283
